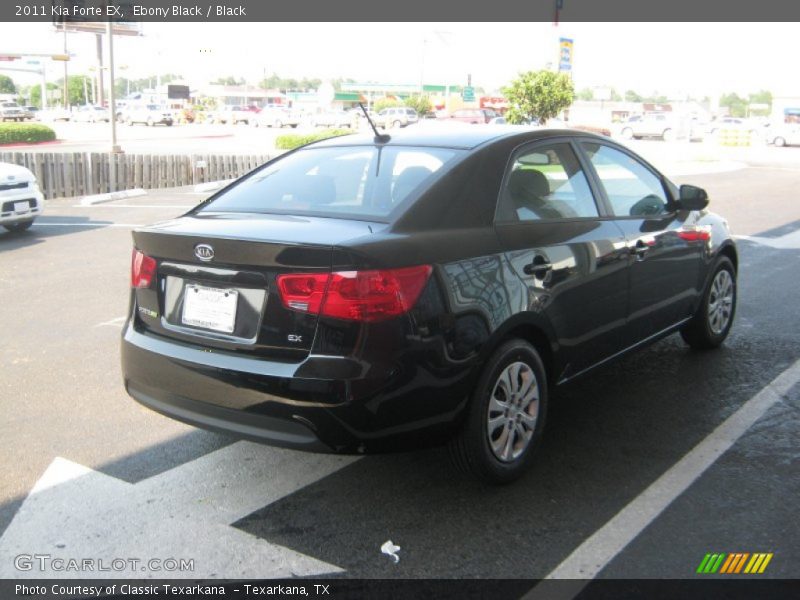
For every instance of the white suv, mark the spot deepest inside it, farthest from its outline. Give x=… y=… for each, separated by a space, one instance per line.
x=398 y=116
x=21 y=201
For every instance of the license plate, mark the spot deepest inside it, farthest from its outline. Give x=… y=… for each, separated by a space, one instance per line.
x=22 y=207
x=210 y=308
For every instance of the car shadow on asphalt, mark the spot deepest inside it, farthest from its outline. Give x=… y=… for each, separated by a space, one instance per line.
x=47 y=227
x=609 y=436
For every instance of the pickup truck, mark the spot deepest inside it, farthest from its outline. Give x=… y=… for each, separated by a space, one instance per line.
x=10 y=111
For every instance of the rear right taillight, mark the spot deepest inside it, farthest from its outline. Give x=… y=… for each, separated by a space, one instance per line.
x=366 y=296
x=143 y=270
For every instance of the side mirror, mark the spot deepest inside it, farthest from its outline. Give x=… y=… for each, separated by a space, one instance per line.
x=692 y=198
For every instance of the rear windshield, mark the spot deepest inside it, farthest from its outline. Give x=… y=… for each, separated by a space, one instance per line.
x=362 y=182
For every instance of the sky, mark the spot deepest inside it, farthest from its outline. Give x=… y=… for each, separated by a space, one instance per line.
x=675 y=59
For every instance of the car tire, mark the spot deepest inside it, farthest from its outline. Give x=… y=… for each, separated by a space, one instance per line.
x=149 y=122
x=627 y=133
x=712 y=322
x=278 y=124
x=397 y=124
x=668 y=135
x=779 y=142
x=19 y=226
x=496 y=442
x=168 y=123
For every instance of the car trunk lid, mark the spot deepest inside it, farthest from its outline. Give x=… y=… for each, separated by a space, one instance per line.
x=214 y=280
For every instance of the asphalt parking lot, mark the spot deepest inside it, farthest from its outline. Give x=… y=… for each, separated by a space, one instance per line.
x=90 y=473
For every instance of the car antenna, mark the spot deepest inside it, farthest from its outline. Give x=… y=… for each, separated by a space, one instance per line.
x=380 y=138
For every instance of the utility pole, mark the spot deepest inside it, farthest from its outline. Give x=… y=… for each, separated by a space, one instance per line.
x=115 y=149
x=99 y=98
x=66 y=87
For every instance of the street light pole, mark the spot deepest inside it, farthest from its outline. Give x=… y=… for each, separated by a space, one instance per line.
x=66 y=87
x=115 y=149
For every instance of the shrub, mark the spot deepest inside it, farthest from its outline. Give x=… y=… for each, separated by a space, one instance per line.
x=14 y=133
x=293 y=140
x=422 y=104
x=382 y=103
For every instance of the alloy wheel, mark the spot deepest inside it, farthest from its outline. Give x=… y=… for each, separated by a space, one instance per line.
x=720 y=302
x=513 y=411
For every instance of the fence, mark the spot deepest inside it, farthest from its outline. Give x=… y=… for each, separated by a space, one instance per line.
x=67 y=174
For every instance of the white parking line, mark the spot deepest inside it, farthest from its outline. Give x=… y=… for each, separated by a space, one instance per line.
x=592 y=556
x=38 y=224
x=185 y=512
x=184 y=206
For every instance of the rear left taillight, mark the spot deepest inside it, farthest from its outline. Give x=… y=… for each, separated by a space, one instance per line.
x=366 y=296
x=143 y=270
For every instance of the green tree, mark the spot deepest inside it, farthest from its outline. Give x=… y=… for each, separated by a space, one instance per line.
x=585 y=94
x=631 y=96
x=538 y=95
x=382 y=103
x=422 y=104
x=7 y=85
x=35 y=94
x=737 y=106
x=761 y=97
x=229 y=80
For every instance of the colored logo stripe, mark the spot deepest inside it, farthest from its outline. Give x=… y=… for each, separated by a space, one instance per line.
x=758 y=563
x=711 y=563
x=735 y=563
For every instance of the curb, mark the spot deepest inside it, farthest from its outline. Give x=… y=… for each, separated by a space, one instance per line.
x=212 y=186
x=121 y=195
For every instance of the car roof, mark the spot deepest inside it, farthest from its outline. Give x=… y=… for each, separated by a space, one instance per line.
x=452 y=136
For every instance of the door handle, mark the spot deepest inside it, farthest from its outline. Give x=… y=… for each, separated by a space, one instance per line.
x=539 y=267
x=640 y=250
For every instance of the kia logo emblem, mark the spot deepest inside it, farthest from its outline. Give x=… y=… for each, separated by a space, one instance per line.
x=204 y=252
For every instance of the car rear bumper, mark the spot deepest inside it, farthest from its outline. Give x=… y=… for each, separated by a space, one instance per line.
x=322 y=404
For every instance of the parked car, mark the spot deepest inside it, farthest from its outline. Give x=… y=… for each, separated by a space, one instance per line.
x=149 y=114
x=21 y=201
x=783 y=134
x=398 y=116
x=235 y=114
x=55 y=114
x=11 y=111
x=363 y=294
x=716 y=125
x=473 y=115
x=332 y=118
x=90 y=114
x=275 y=116
x=31 y=112
x=658 y=125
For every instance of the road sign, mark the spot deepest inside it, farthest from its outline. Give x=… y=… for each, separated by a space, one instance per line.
x=565 y=54
x=468 y=94
x=74 y=511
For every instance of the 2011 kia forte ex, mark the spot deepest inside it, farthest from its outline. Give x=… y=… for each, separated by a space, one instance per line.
x=362 y=294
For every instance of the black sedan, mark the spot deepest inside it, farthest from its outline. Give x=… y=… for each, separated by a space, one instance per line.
x=366 y=294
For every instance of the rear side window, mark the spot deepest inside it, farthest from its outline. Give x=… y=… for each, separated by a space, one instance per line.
x=546 y=182
x=365 y=182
